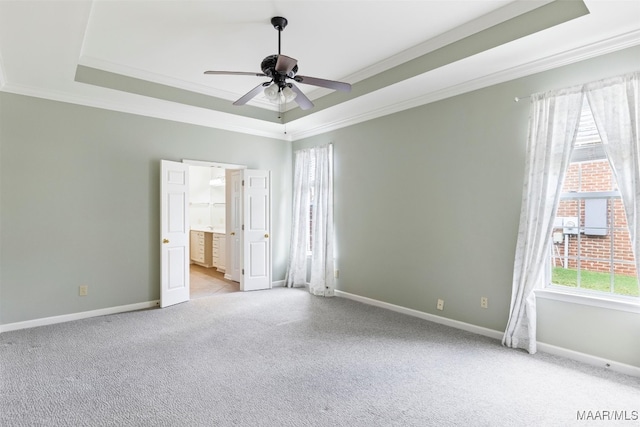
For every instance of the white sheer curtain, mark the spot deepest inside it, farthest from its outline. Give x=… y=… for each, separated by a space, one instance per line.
x=553 y=125
x=298 y=247
x=615 y=103
x=313 y=189
x=321 y=281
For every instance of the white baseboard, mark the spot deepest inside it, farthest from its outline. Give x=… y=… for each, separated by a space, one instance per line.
x=600 y=362
x=426 y=316
x=547 y=348
x=77 y=316
x=87 y=314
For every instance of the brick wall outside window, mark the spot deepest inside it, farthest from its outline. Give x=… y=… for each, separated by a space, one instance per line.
x=586 y=177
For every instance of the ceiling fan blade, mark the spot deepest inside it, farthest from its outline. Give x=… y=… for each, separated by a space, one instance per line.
x=249 y=95
x=301 y=99
x=235 y=73
x=330 y=84
x=285 y=64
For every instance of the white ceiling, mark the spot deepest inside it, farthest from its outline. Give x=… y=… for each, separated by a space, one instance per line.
x=366 y=43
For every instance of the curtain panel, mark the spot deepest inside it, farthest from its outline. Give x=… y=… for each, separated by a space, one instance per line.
x=301 y=213
x=321 y=281
x=312 y=222
x=553 y=127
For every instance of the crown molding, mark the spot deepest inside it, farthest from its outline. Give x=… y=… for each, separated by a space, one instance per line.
x=593 y=50
x=112 y=67
x=467 y=29
x=162 y=110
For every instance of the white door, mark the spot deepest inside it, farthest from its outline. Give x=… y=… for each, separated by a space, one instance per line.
x=256 y=254
x=174 y=233
x=234 y=244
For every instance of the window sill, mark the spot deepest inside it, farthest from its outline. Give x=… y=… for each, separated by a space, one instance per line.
x=620 y=303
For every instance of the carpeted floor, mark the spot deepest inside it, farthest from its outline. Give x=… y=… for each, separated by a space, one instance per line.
x=286 y=358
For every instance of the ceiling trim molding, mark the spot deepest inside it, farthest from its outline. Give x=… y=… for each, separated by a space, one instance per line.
x=112 y=67
x=526 y=24
x=207 y=118
x=149 y=89
x=544 y=64
x=467 y=29
x=223 y=121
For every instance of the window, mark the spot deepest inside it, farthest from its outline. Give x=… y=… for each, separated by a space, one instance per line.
x=591 y=249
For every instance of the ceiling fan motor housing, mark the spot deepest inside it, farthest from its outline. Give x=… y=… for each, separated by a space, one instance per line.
x=268 y=67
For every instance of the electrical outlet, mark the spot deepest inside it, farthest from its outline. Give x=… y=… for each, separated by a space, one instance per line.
x=336 y=273
x=83 y=290
x=484 y=302
x=440 y=305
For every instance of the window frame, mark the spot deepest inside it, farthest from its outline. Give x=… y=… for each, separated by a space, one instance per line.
x=610 y=196
x=608 y=301
x=588 y=148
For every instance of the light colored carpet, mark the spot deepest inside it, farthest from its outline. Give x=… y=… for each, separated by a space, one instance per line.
x=286 y=358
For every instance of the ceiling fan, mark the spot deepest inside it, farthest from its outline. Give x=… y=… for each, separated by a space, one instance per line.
x=280 y=68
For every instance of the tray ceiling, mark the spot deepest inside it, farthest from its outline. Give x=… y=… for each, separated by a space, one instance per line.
x=149 y=57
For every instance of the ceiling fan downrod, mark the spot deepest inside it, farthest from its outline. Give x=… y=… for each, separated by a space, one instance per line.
x=279 y=23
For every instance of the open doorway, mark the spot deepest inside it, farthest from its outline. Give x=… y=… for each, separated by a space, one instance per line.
x=247 y=237
x=209 y=196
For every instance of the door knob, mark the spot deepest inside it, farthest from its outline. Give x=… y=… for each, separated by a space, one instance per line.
x=233 y=233
x=266 y=235
x=165 y=241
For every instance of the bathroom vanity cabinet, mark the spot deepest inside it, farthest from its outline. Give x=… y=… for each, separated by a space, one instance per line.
x=201 y=248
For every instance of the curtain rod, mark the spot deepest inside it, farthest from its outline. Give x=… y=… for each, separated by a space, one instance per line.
x=518 y=98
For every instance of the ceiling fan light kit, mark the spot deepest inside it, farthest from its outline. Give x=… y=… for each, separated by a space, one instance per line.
x=280 y=68
x=271 y=92
x=279 y=95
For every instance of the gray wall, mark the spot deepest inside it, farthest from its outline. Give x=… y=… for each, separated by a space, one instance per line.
x=79 y=193
x=427 y=204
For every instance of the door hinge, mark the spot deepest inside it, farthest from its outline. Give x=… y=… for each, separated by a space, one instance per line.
x=242 y=227
x=243 y=182
x=243 y=271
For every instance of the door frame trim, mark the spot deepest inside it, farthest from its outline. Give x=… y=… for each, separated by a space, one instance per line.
x=206 y=163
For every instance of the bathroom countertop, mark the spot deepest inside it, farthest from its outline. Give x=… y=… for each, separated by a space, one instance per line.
x=207 y=229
